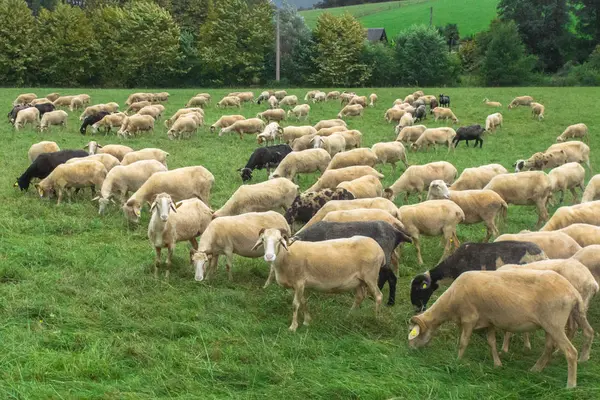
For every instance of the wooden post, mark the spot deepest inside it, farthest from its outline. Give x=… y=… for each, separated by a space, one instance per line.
x=277 y=51
x=430 y=16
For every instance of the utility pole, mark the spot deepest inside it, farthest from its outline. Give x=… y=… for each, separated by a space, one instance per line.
x=430 y=16
x=277 y=51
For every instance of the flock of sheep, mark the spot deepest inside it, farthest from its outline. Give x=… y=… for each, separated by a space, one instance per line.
x=353 y=231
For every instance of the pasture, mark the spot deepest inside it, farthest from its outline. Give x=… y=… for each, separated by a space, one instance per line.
x=83 y=317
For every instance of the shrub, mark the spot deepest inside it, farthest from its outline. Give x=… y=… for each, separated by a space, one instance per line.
x=16 y=36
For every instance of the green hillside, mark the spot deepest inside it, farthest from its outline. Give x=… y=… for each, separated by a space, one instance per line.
x=472 y=16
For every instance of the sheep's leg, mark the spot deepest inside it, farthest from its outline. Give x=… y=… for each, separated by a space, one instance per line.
x=526 y=341
x=157 y=261
x=562 y=196
x=491 y=339
x=270 y=278
x=588 y=334
x=417 y=244
x=60 y=196
x=298 y=295
x=491 y=228
x=574 y=193
x=169 y=257
x=375 y=292
x=456 y=241
x=506 y=342
x=360 y=292
x=542 y=211
x=212 y=266
x=229 y=264
x=447 y=245
x=546 y=355
x=465 y=336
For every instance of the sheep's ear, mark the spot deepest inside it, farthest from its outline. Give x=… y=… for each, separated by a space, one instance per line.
x=414 y=332
x=172 y=206
x=284 y=242
x=258 y=243
x=260 y=233
x=153 y=206
x=99 y=146
x=177 y=205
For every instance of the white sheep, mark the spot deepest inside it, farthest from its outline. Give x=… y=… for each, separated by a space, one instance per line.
x=301 y=162
x=410 y=134
x=302 y=143
x=155 y=111
x=574 y=151
x=592 y=190
x=556 y=245
x=353 y=138
x=333 y=144
x=492 y=103
x=107 y=160
x=365 y=187
x=229 y=101
x=361 y=156
x=280 y=94
x=289 y=101
x=145 y=154
x=273 y=102
x=134 y=124
x=390 y=153
x=537 y=111
x=363 y=214
x=24 y=98
x=333 y=177
x=76 y=104
x=445 y=114
x=29 y=115
x=42 y=147
x=300 y=111
x=333 y=95
x=185 y=126
x=198 y=101
x=520 y=101
x=393 y=114
x=57 y=117
x=328 y=123
x=354 y=110
x=575 y=132
x=406 y=120
x=590 y=257
x=117 y=150
x=77 y=175
x=291 y=133
x=225 y=121
x=320 y=97
x=271 y=132
x=477 y=178
x=584 y=234
x=275 y=114
x=435 y=136
x=492 y=122
x=567 y=177
x=52 y=96
x=331 y=130
x=110 y=121
x=372 y=100
x=248 y=126
x=584 y=213
x=417 y=179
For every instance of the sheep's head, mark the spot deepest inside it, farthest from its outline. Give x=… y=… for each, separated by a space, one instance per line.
x=419 y=334
x=102 y=203
x=132 y=211
x=246 y=174
x=560 y=139
x=272 y=240
x=421 y=289
x=389 y=194
x=200 y=260
x=163 y=205
x=438 y=190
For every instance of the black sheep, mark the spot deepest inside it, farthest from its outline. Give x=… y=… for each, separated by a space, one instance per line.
x=44 y=108
x=444 y=100
x=264 y=157
x=420 y=113
x=433 y=104
x=383 y=233
x=472 y=257
x=91 y=120
x=466 y=133
x=12 y=114
x=42 y=166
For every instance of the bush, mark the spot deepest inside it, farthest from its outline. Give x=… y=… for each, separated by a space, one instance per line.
x=380 y=58
x=16 y=37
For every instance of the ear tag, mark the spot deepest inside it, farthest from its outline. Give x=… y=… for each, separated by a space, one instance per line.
x=424 y=286
x=413 y=334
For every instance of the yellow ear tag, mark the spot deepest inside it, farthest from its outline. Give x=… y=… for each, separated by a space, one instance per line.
x=413 y=333
x=424 y=286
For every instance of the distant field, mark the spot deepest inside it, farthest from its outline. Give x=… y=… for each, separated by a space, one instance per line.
x=472 y=16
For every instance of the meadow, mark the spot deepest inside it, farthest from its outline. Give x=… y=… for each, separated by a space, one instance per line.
x=471 y=16
x=83 y=317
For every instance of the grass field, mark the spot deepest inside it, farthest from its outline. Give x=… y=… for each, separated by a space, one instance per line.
x=82 y=316
x=472 y=16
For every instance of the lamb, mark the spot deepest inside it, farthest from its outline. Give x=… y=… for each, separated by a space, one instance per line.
x=406 y=120
x=77 y=175
x=362 y=100
x=44 y=164
x=110 y=121
x=187 y=221
x=277 y=114
x=116 y=150
x=277 y=193
x=136 y=123
x=289 y=101
x=471 y=257
x=300 y=111
x=225 y=121
x=362 y=156
x=584 y=213
x=185 y=126
x=478 y=205
x=568 y=176
x=91 y=120
x=333 y=95
x=302 y=162
x=333 y=144
x=372 y=100
x=333 y=177
x=233 y=235
x=249 y=126
x=390 y=153
x=548 y=302
x=229 y=101
x=417 y=179
x=365 y=187
x=584 y=234
x=58 y=117
x=555 y=244
x=155 y=111
x=29 y=115
x=53 y=96
x=537 y=111
x=42 y=147
x=123 y=179
x=590 y=257
x=520 y=101
x=328 y=123
x=271 y=132
x=492 y=122
x=181 y=183
x=466 y=133
x=573 y=132
x=146 y=154
x=24 y=98
x=434 y=136
x=290 y=133
x=355 y=110
x=393 y=114
x=280 y=94
x=353 y=138
x=107 y=160
x=329 y=266
x=444 y=113
x=198 y=101
x=432 y=218
x=592 y=190
x=410 y=134
x=477 y=178
x=492 y=103
x=135 y=107
x=524 y=188
x=307 y=204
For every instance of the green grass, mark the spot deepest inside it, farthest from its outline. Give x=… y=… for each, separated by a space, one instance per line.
x=82 y=316
x=472 y=16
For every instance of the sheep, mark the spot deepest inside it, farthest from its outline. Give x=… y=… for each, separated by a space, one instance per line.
x=310 y=95
x=556 y=245
x=58 y=117
x=432 y=104
x=12 y=114
x=417 y=178
x=492 y=122
x=307 y=204
x=331 y=130
x=225 y=121
x=428 y=98
x=432 y=218
x=76 y=104
x=229 y=101
x=280 y=94
x=410 y=134
x=155 y=111
x=264 y=96
x=362 y=100
x=245 y=97
x=249 y=126
x=181 y=183
x=568 y=176
x=86 y=98
x=466 y=133
x=353 y=138
x=333 y=95
x=290 y=133
x=471 y=257
x=478 y=205
x=135 y=107
x=198 y=101
x=477 y=178
x=290 y=101
x=583 y=234
x=38 y=101
x=420 y=113
x=345 y=97
x=91 y=120
x=590 y=257
x=444 y=100
x=520 y=101
x=164 y=96
x=537 y=111
x=584 y=213
x=24 y=98
x=444 y=113
x=53 y=96
x=362 y=156
x=592 y=190
x=302 y=143
x=116 y=150
x=300 y=111
x=264 y=157
x=182 y=111
x=328 y=123
x=393 y=115
x=372 y=100
x=136 y=123
x=418 y=103
x=355 y=110
x=434 y=136
x=333 y=144
x=365 y=187
x=187 y=221
x=328 y=266
x=320 y=97
x=492 y=103
x=185 y=126
x=44 y=164
x=29 y=115
x=277 y=114
x=406 y=120
x=107 y=160
x=271 y=132
x=77 y=175
x=93 y=110
x=548 y=300
x=302 y=162
x=418 y=94
x=145 y=154
x=42 y=147
x=123 y=179
x=110 y=121
x=575 y=152
x=390 y=153
x=135 y=97
x=65 y=101
x=573 y=132
x=233 y=235
x=333 y=177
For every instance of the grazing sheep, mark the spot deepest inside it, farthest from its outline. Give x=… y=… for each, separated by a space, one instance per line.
x=445 y=114
x=592 y=190
x=38 y=101
x=365 y=187
x=410 y=134
x=116 y=150
x=264 y=96
x=276 y=114
x=145 y=154
x=155 y=111
x=574 y=132
x=590 y=257
x=345 y=97
x=58 y=117
x=432 y=218
x=524 y=188
x=310 y=95
x=333 y=144
x=393 y=115
x=245 y=97
x=225 y=121
x=353 y=138
x=280 y=94
x=249 y=126
x=65 y=101
x=198 y=101
x=584 y=213
x=363 y=214
x=29 y=115
x=134 y=124
x=478 y=205
x=291 y=133
x=135 y=97
x=444 y=100
x=135 y=107
x=492 y=122
x=77 y=175
x=302 y=162
x=520 y=101
x=328 y=123
x=107 y=160
x=471 y=257
x=300 y=111
x=229 y=101
x=420 y=113
x=355 y=110
x=307 y=204
x=491 y=103
x=76 y=104
x=435 y=136
x=271 y=132
x=185 y=126
x=333 y=95
x=302 y=143
x=584 y=234
x=328 y=266
x=92 y=110
x=331 y=130
x=547 y=301
x=556 y=245
x=277 y=193
x=91 y=120
x=372 y=100
x=567 y=177
x=110 y=121
x=25 y=98
x=123 y=179
x=477 y=178
x=406 y=120
x=466 y=133
x=290 y=101
x=362 y=156
x=44 y=164
x=42 y=147
x=362 y=100
x=12 y=114
x=575 y=152
x=183 y=111
x=264 y=157
x=390 y=153
x=333 y=177
x=537 y=111
x=188 y=219
x=53 y=96
x=417 y=179
x=181 y=183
